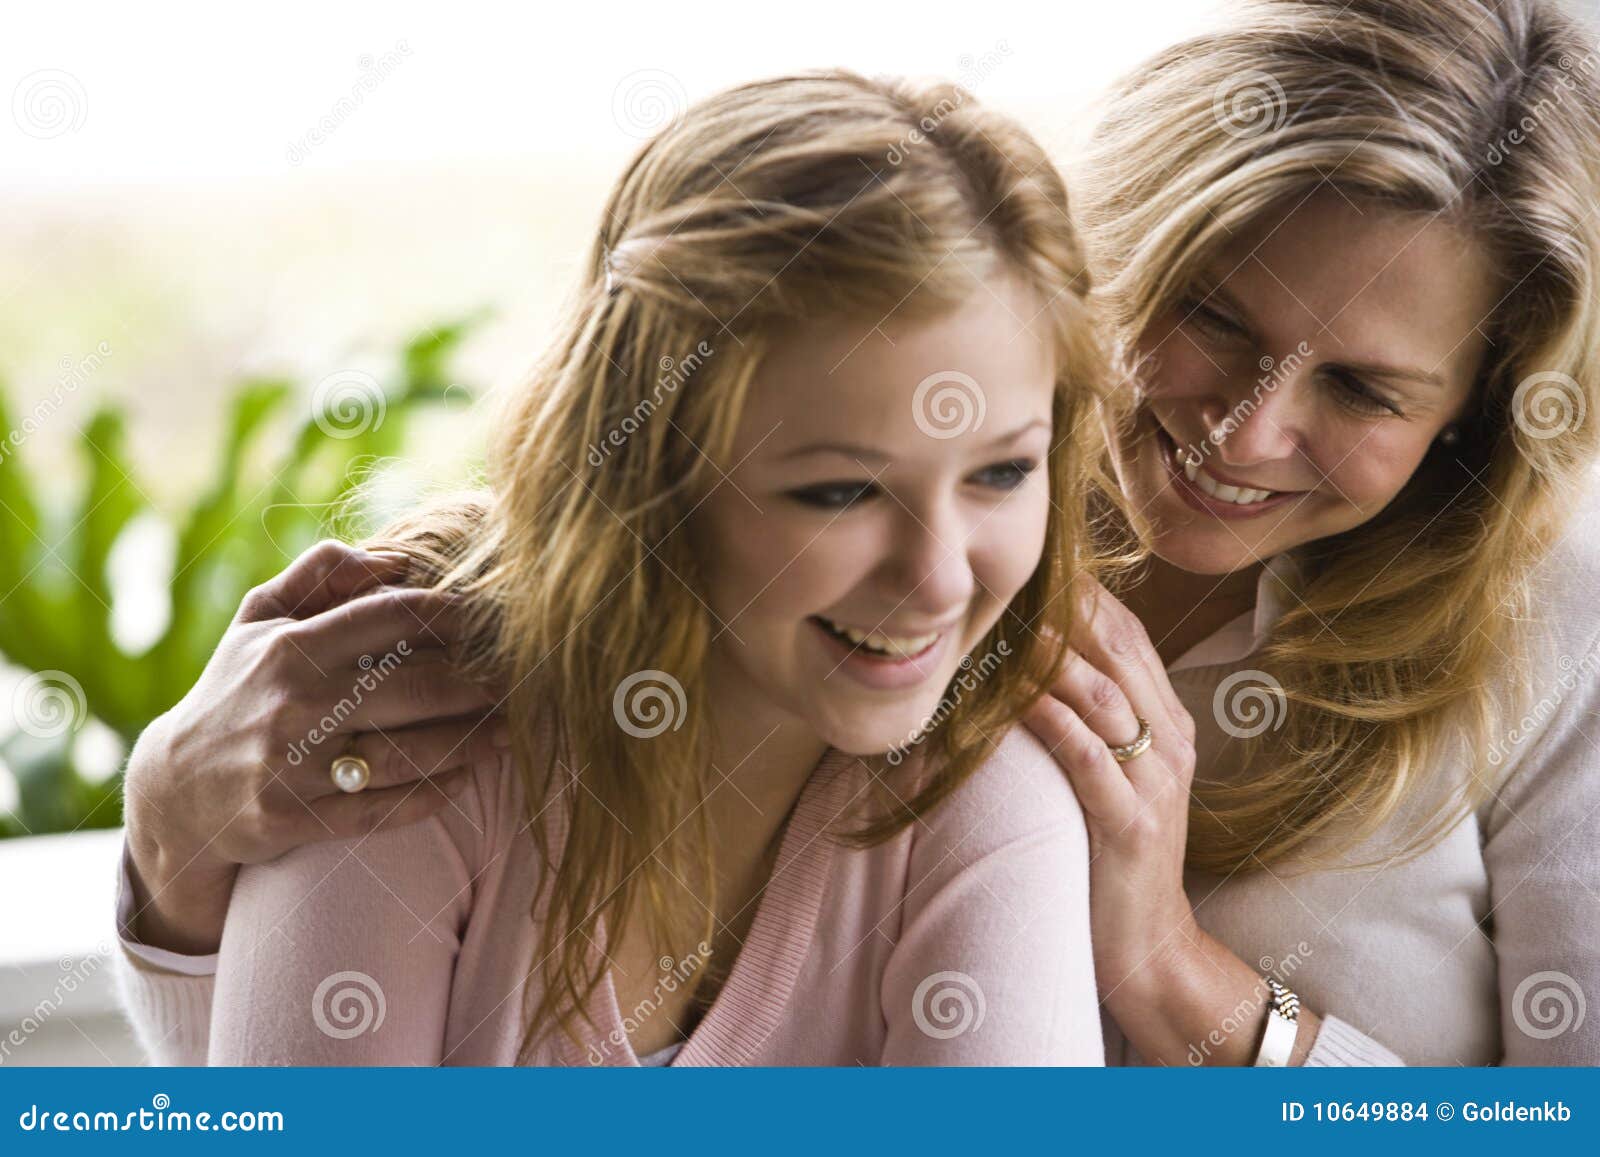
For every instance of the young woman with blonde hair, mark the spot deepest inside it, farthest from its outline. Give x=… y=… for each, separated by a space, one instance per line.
x=1351 y=253
x=763 y=608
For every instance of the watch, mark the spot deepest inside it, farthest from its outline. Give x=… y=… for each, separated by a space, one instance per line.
x=1283 y=1025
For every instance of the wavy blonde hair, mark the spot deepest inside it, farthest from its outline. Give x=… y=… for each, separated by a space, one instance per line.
x=804 y=197
x=1485 y=113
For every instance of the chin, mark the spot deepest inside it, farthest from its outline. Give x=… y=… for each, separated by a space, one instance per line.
x=1193 y=553
x=876 y=733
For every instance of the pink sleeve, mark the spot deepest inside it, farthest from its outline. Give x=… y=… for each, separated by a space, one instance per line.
x=342 y=952
x=993 y=965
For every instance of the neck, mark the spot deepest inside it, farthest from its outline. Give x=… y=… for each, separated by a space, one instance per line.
x=1179 y=608
x=761 y=758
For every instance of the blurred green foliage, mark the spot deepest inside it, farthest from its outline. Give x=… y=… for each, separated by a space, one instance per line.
x=246 y=525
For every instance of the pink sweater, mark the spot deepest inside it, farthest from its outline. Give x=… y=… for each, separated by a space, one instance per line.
x=964 y=940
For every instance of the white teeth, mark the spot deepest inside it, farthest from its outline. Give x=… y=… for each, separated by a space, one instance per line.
x=1239 y=495
x=901 y=646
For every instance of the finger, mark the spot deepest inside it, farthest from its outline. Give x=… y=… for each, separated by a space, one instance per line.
x=377 y=622
x=404 y=755
x=393 y=693
x=1149 y=659
x=1097 y=699
x=1102 y=787
x=1114 y=642
x=345 y=816
x=322 y=576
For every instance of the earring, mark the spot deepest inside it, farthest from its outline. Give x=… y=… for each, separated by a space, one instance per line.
x=1450 y=436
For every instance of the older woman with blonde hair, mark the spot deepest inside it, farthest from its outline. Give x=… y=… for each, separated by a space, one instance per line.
x=1350 y=252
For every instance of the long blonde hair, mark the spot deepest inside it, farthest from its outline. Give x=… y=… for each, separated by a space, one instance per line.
x=1486 y=113
x=803 y=197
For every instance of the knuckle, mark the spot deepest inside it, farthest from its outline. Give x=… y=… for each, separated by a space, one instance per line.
x=1085 y=749
x=257 y=601
x=325 y=553
x=269 y=823
x=1143 y=828
x=1103 y=693
x=1124 y=639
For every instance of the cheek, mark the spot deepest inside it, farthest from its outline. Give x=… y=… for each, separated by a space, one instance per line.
x=1368 y=467
x=1177 y=368
x=780 y=564
x=1006 y=547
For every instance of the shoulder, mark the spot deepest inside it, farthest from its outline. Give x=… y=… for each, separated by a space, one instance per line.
x=1545 y=745
x=1565 y=585
x=1018 y=795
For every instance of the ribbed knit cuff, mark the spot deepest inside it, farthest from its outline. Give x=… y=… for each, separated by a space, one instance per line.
x=1339 y=1045
x=170 y=1012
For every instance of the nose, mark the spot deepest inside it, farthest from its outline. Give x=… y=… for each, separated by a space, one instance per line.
x=928 y=573
x=1259 y=421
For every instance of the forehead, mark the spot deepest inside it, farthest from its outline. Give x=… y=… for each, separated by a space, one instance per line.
x=862 y=375
x=1365 y=282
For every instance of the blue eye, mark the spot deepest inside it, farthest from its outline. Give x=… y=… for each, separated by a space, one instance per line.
x=832 y=495
x=1007 y=475
x=843 y=495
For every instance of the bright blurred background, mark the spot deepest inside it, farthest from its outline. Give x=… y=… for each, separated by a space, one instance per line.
x=249 y=255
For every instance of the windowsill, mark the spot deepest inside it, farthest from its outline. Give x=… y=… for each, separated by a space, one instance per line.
x=57 y=928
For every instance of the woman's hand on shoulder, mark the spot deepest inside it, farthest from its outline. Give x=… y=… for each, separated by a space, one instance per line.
x=333 y=655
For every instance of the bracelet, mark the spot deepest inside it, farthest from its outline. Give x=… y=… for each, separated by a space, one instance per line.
x=1283 y=1025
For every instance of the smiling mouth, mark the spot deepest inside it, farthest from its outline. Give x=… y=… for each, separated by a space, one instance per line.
x=1197 y=476
x=878 y=644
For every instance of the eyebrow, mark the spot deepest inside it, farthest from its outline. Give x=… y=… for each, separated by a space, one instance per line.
x=1397 y=373
x=856 y=450
x=1208 y=289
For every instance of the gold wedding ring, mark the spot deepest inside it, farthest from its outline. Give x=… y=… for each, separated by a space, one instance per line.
x=350 y=773
x=1138 y=747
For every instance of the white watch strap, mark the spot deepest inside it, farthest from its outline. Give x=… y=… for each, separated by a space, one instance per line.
x=1277 y=1043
